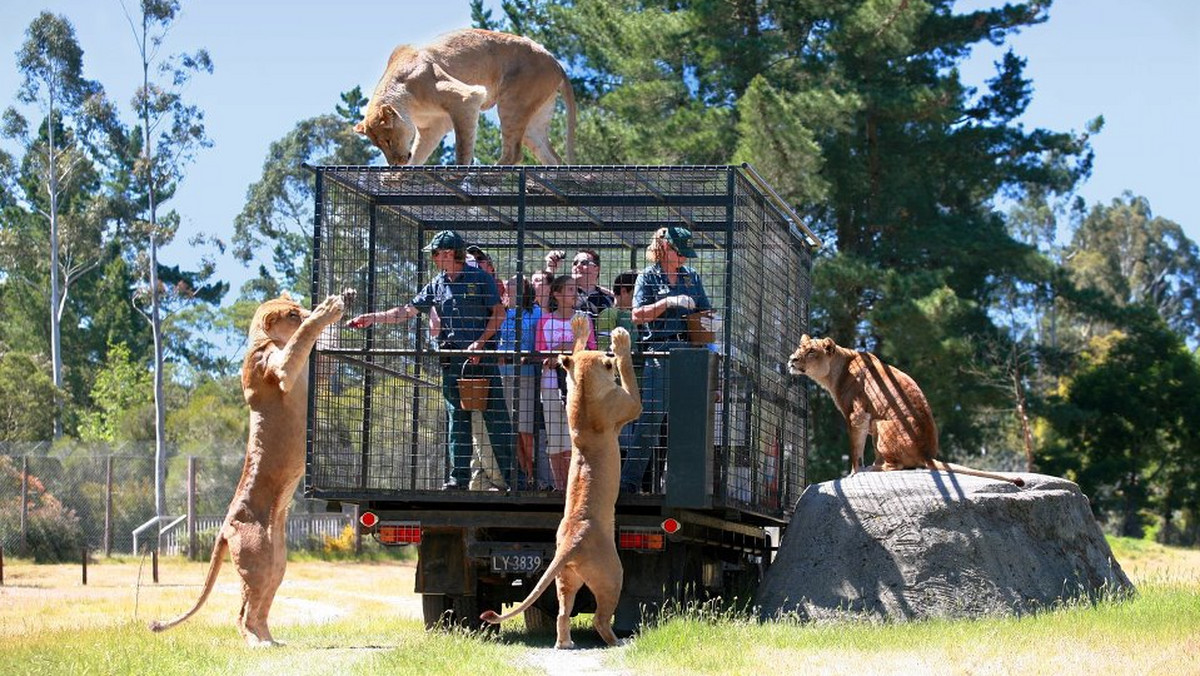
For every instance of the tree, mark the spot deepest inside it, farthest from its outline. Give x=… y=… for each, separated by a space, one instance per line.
x=1133 y=257
x=279 y=205
x=172 y=131
x=1124 y=424
x=857 y=111
x=121 y=400
x=26 y=393
x=58 y=163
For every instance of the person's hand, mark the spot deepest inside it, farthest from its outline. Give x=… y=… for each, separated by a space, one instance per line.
x=554 y=258
x=681 y=301
x=361 y=322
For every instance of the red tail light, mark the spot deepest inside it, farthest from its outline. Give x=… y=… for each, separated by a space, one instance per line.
x=368 y=519
x=400 y=533
x=644 y=539
x=671 y=526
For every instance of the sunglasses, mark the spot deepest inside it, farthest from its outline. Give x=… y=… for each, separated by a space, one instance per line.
x=584 y=262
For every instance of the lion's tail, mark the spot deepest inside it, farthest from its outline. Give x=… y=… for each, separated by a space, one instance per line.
x=951 y=467
x=569 y=100
x=214 y=567
x=542 y=585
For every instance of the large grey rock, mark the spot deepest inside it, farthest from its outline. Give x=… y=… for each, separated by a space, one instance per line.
x=918 y=544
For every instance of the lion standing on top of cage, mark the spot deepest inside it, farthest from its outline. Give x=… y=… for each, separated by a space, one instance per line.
x=426 y=92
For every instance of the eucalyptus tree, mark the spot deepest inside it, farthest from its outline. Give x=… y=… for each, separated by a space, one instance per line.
x=57 y=179
x=171 y=133
x=1131 y=256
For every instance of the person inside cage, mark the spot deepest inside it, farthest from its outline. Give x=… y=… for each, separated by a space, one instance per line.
x=593 y=298
x=620 y=314
x=519 y=373
x=666 y=291
x=469 y=311
x=554 y=335
x=485 y=473
x=541 y=281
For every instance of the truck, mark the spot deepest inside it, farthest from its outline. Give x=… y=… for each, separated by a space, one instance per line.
x=729 y=461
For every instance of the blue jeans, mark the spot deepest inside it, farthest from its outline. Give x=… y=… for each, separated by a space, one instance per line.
x=458 y=421
x=647 y=428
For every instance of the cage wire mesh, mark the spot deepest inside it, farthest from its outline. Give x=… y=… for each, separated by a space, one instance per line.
x=379 y=419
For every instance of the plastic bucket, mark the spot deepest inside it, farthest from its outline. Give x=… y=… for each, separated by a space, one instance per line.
x=472 y=391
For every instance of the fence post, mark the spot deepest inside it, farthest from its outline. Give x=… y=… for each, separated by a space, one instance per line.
x=108 y=505
x=191 y=508
x=357 y=533
x=1 y=564
x=85 y=565
x=24 y=549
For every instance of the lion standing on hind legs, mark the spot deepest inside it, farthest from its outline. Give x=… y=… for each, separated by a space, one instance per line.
x=881 y=401
x=275 y=385
x=585 y=546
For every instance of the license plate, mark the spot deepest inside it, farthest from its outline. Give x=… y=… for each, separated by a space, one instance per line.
x=516 y=562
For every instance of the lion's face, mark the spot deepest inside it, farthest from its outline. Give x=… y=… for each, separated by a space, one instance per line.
x=592 y=372
x=278 y=318
x=389 y=132
x=811 y=357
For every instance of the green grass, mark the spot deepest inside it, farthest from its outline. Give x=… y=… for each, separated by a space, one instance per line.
x=383 y=645
x=1156 y=630
x=50 y=624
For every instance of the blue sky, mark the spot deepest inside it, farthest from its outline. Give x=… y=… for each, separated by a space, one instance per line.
x=1137 y=64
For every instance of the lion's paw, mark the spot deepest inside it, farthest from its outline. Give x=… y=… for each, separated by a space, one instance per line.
x=621 y=343
x=579 y=325
x=330 y=310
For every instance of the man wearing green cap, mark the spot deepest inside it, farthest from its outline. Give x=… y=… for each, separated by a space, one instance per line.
x=665 y=293
x=469 y=313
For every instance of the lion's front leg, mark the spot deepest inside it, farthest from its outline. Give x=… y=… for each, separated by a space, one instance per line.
x=859 y=425
x=287 y=364
x=625 y=403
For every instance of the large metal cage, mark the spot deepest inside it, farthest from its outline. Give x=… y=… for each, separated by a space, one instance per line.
x=378 y=421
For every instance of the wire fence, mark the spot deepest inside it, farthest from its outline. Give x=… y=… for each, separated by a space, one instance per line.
x=56 y=500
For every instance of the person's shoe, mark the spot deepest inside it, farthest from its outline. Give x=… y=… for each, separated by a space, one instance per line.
x=451 y=485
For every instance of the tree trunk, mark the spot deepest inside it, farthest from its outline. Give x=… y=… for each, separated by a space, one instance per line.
x=55 y=330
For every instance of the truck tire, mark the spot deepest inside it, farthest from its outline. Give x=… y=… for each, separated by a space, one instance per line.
x=445 y=611
x=539 y=621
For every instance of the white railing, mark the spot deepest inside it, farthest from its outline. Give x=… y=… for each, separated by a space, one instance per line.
x=138 y=531
x=300 y=527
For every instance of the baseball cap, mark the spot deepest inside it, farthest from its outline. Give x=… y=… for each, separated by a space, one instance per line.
x=681 y=239
x=446 y=239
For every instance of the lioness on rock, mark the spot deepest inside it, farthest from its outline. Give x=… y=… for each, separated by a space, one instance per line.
x=585 y=545
x=275 y=385
x=426 y=92
x=877 y=400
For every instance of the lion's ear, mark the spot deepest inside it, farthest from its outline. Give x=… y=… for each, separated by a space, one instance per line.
x=827 y=344
x=361 y=128
x=565 y=361
x=285 y=296
x=804 y=339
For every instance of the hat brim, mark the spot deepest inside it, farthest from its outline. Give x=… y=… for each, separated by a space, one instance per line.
x=684 y=250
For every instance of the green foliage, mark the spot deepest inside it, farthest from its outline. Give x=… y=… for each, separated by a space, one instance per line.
x=1133 y=257
x=1124 y=424
x=122 y=400
x=278 y=210
x=26 y=393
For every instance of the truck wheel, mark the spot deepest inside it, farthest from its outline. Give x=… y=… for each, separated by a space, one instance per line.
x=538 y=621
x=443 y=611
